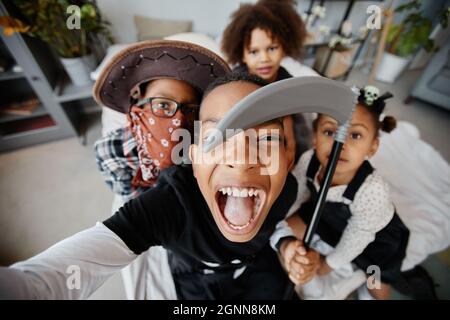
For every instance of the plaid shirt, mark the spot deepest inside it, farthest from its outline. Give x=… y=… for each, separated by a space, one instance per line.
x=117 y=160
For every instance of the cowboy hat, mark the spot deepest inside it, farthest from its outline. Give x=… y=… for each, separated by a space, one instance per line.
x=118 y=83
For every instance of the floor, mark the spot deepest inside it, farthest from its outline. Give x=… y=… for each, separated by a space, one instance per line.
x=53 y=190
x=57 y=192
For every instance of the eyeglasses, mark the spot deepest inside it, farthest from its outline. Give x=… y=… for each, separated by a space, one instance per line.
x=166 y=108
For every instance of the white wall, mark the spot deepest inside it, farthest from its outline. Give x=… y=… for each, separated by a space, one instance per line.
x=208 y=16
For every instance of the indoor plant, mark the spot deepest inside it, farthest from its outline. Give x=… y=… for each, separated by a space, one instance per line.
x=47 y=20
x=404 y=39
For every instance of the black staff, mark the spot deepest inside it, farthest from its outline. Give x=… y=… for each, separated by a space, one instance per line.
x=328 y=177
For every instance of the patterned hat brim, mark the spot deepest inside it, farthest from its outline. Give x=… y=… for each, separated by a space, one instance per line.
x=149 y=60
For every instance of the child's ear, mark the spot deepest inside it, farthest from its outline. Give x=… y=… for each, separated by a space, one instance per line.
x=289 y=135
x=374 y=146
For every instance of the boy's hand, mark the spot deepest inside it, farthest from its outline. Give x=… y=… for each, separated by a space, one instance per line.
x=300 y=264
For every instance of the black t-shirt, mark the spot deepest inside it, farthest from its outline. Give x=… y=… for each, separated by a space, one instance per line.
x=174 y=214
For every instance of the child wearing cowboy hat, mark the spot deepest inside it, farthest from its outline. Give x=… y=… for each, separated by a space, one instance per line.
x=219 y=241
x=160 y=93
x=135 y=84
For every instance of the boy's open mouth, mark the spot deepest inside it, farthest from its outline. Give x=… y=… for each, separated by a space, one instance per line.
x=240 y=206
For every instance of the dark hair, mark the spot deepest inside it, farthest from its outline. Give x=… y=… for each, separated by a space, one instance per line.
x=232 y=77
x=388 y=124
x=279 y=18
x=228 y=78
x=376 y=108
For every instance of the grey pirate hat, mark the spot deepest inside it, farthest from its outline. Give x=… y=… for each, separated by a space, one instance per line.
x=148 y=60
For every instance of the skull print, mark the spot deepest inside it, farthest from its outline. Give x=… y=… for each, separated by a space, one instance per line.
x=371 y=94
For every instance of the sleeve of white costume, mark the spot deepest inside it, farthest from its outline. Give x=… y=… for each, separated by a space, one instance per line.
x=71 y=269
x=371 y=210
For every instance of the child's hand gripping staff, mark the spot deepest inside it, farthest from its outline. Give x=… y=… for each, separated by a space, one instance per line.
x=291 y=96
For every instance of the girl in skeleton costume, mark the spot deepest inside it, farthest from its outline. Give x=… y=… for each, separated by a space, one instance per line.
x=359 y=224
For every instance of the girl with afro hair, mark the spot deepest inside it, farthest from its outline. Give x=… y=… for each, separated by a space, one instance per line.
x=260 y=35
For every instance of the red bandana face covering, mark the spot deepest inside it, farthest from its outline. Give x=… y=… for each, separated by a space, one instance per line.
x=154 y=144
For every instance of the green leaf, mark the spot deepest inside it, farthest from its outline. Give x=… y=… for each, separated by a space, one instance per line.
x=408 y=6
x=88 y=11
x=392 y=33
x=413 y=18
x=444 y=18
x=47 y=19
x=408 y=43
x=424 y=31
x=429 y=46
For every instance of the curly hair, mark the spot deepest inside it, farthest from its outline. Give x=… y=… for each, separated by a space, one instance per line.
x=279 y=18
x=388 y=123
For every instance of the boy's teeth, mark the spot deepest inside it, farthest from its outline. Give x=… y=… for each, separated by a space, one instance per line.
x=239 y=192
x=239 y=227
